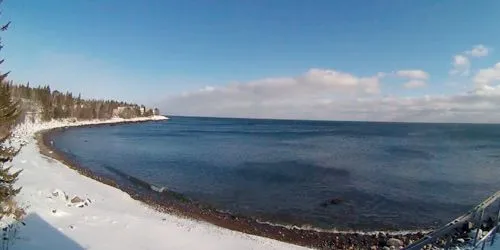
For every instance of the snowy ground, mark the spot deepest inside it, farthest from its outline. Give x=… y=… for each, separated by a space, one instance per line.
x=108 y=218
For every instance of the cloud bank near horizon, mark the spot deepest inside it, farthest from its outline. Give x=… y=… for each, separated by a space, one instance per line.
x=330 y=94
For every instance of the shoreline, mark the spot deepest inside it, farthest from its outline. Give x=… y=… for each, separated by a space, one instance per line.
x=107 y=218
x=172 y=203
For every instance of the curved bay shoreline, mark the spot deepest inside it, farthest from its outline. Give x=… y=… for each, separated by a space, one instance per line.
x=173 y=203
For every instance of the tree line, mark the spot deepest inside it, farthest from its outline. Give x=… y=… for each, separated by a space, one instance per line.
x=57 y=105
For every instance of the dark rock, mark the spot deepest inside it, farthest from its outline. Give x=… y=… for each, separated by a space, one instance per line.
x=488 y=224
x=76 y=199
x=468 y=226
x=54 y=211
x=336 y=201
x=382 y=242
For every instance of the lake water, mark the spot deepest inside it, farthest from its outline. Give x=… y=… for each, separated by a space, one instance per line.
x=380 y=175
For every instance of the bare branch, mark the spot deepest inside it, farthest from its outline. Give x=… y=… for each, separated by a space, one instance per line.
x=5 y=27
x=3 y=76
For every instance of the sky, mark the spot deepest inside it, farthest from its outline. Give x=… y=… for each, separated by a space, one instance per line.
x=380 y=60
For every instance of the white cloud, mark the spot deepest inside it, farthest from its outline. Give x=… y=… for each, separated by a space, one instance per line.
x=477 y=106
x=461 y=65
x=208 y=89
x=332 y=95
x=461 y=62
x=312 y=83
x=478 y=51
x=413 y=74
x=413 y=84
x=315 y=94
x=335 y=81
x=486 y=77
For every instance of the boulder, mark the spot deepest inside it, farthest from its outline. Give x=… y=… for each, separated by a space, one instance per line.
x=393 y=242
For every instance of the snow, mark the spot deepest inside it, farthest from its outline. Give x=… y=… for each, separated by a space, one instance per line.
x=108 y=218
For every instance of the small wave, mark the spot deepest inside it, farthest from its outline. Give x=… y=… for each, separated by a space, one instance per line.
x=158 y=189
x=408 y=152
x=132 y=179
x=287 y=171
x=322 y=230
x=146 y=185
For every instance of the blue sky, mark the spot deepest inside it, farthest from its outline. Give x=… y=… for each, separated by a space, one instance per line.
x=166 y=52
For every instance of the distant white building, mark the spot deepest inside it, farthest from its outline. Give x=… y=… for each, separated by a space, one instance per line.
x=118 y=111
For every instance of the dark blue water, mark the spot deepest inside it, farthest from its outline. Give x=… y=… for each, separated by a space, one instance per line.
x=383 y=175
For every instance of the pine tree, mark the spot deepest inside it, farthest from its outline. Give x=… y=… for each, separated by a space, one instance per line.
x=9 y=112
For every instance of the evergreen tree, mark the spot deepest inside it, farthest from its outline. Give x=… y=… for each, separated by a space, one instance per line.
x=9 y=112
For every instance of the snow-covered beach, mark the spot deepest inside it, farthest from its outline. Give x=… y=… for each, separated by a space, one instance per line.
x=66 y=210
